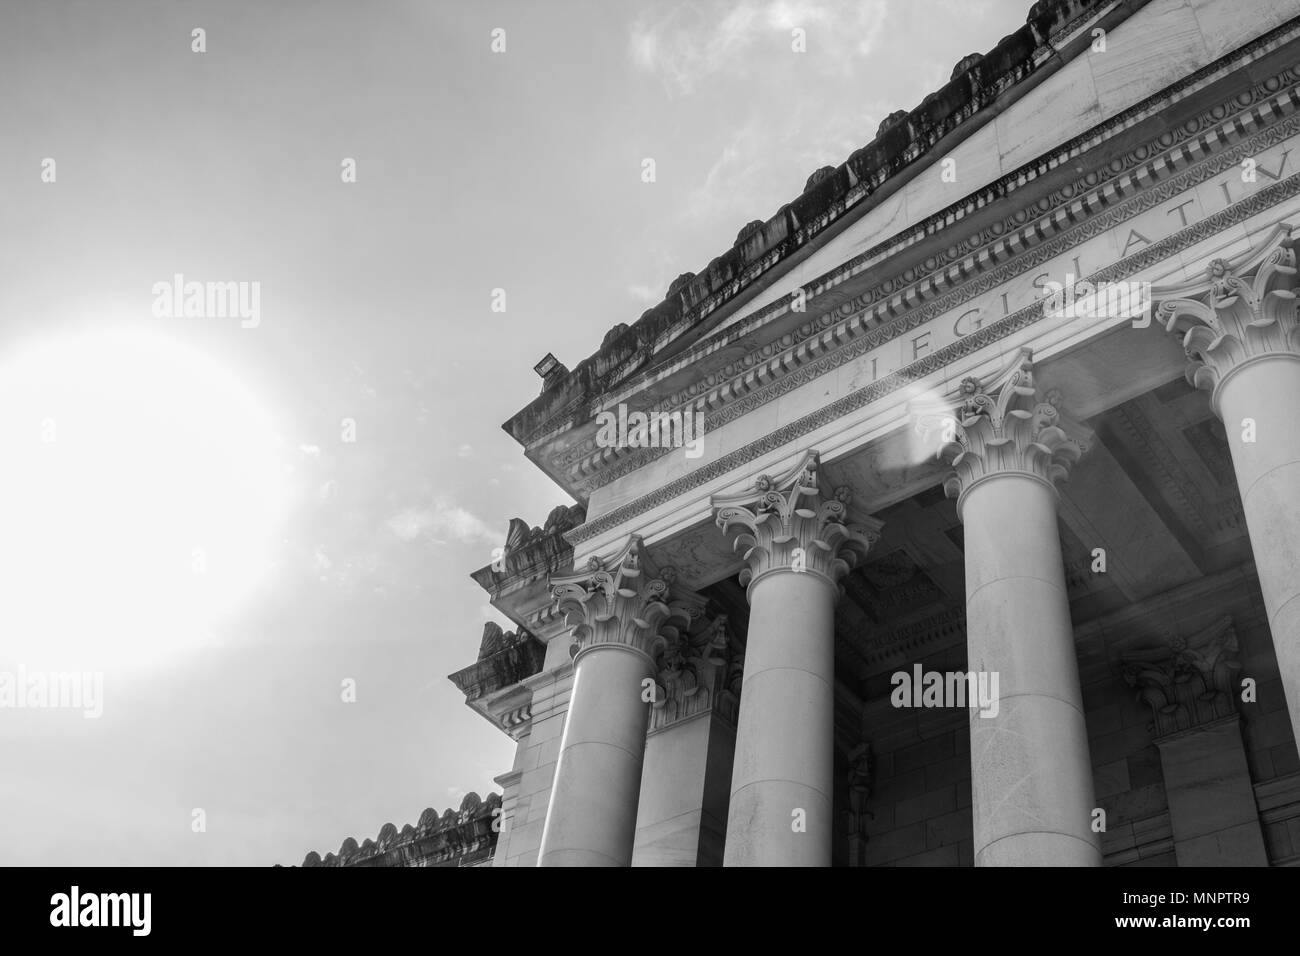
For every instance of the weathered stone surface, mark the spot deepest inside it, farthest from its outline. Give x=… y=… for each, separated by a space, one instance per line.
x=464 y=837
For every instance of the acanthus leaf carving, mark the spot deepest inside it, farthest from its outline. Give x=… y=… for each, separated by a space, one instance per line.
x=1003 y=428
x=617 y=600
x=787 y=524
x=1186 y=681
x=1240 y=317
x=694 y=673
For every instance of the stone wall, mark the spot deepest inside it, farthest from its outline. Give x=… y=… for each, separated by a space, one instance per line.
x=1235 y=787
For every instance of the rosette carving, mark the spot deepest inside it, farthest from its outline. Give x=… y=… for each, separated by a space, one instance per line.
x=786 y=524
x=616 y=600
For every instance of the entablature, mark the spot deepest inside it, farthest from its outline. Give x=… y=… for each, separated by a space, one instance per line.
x=1129 y=164
x=1195 y=180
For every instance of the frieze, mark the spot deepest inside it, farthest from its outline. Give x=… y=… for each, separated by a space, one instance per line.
x=917 y=638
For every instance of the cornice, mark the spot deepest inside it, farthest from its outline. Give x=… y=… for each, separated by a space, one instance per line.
x=530 y=555
x=434 y=839
x=947 y=268
x=1157 y=252
x=980 y=85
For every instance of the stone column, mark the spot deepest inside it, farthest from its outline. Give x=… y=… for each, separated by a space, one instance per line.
x=686 y=780
x=1031 y=775
x=1191 y=687
x=1243 y=344
x=797 y=546
x=622 y=618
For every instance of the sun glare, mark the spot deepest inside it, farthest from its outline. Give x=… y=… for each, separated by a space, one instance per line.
x=141 y=496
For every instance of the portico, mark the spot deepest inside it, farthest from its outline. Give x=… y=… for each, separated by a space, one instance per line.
x=906 y=459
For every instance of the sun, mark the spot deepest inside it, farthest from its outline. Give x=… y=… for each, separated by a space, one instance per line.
x=142 y=494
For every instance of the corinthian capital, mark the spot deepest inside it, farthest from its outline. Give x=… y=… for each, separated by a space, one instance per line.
x=616 y=601
x=1186 y=681
x=787 y=524
x=1239 y=317
x=693 y=674
x=1003 y=427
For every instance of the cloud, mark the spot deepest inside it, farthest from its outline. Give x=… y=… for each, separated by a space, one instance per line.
x=735 y=179
x=441 y=522
x=643 y=293
x=683 y=47
x=465 y=451
x=759 y=168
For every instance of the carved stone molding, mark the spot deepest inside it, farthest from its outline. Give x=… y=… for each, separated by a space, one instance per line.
x=1186 y=682
x=894 y=646
x=531 y=554
x=1003 y=428
x=788 y=525
x=504 y=659
x=1240 y=318
x=615 y=601
x=464 y=837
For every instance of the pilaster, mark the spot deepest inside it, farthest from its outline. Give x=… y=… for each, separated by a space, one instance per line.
x=1190 y=685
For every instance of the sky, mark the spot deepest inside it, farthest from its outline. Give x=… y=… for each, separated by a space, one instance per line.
x=253 y=527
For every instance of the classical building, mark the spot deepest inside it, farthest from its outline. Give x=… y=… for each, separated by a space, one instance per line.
x=952 y=515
